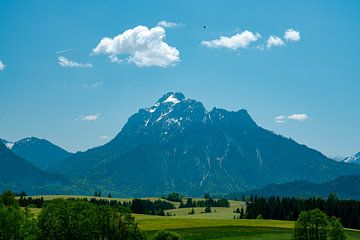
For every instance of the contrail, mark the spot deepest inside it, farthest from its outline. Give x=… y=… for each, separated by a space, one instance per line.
x=66 y=50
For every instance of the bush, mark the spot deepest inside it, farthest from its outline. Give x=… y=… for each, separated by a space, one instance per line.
x=166 y=235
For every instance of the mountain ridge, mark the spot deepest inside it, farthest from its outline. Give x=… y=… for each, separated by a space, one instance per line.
x=343 y=186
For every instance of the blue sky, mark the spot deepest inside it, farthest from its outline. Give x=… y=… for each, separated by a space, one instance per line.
x=60 y=82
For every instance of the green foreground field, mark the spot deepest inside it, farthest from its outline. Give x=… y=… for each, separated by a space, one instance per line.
x=217 y=225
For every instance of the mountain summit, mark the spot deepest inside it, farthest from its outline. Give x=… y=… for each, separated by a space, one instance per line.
x=40 y=152
x=177 y=145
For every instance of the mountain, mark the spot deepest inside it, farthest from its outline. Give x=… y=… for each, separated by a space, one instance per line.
x=18 y=175
x=345 y=187
x=40 y=152
x=177 y=145
x=353 y=159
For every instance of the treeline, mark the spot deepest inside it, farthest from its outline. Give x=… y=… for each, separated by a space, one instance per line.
x=173 y=197
x=208 y=202
x=148 y=207
x=289 y=208
x=140 y=206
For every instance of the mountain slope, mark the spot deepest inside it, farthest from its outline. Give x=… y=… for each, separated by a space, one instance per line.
x=344 y=186
x=40 y=152
x=177 y=145
x=18 y=175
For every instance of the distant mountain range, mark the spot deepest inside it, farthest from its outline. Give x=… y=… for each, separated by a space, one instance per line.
x=17 y=174
x=352 y=159
x=178 y=145
x=40 y=152
x=174 y=145
x=345 y=187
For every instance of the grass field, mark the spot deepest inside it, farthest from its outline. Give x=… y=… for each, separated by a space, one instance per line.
x=201 y=228
x=217 y=225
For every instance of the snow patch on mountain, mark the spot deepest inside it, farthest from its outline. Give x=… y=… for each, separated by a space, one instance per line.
x=172 y=99
x=9 y=145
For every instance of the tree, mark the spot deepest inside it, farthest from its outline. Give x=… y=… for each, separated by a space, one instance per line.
x=167 y=235
x=208 y=209
x=7 y=198
x=173 y=197
x=242 y=213
x=207 y=195
x=15 y=223
x=76 y=220
x=192 y=211
x=311 y=225
x=336 y=229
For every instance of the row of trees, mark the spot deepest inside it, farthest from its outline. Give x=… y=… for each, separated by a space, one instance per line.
x=208 y=202
x=173 y=197
x=65 y=219
x=156 y=207
x=140 y=206
x=289 y=208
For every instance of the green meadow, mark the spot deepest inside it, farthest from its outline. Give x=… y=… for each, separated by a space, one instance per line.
x=217 y=225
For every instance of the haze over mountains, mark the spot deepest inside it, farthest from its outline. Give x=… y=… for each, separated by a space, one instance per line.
x=178 y=145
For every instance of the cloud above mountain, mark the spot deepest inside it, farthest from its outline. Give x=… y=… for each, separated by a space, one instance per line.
x=141 y=46
x=65 y=62
x=295 y=116
x=239 y=40
x=298 y=117
x=292 y=35
x=274 y=41
x=166 y=24
x=245 y=38
x=91 y=117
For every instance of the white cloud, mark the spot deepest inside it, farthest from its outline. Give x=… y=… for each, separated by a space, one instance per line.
x=64 y=62
x=292 y=35
x=2 y=66
x=280 y=119
x=94 y=85
x=103 y=137
x=274 y=41
x=166 y=24
x=239 y=40
x=92 y=117
x=298 y=117
x=143 y=46
x=294 y=116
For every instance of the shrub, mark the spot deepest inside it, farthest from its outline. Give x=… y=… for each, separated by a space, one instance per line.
x=166 y=235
